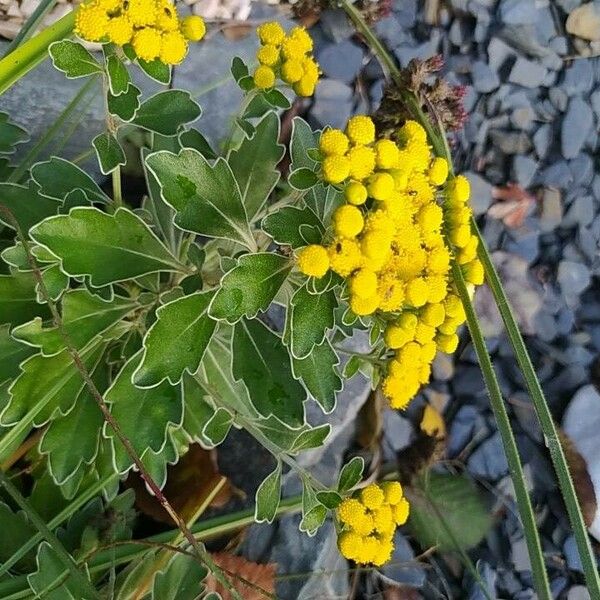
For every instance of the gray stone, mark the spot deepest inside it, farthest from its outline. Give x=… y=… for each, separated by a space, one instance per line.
x=481 y=193
x=484 y=79
x=559 y=44
x=511 y=142
x=518 y=12
x=520 y=555
x=573 y=277
x=551 y=212
x=581 y=212
x=488 y=459
x=523 y=169
x=442 y=367
x=527 y=73
x=576 y=126
x=545 y=326
x=582 y=167
x=338 y=27
x=579 y=77
x=402 y=568
x=465 y=422
x=578 y=592
x=559 y=98
x=341 y=61
x=488 y=577
x=397 y=431
x=523 y=242
x=523 y=118
x=333 y=104
x=595 y=102
x=542 y=139
x=498 y=53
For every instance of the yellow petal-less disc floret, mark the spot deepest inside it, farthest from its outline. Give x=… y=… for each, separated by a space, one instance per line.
x=268 y=55
x=363 y=284
x=120 y=30
x=91 y=22
x=361 y=130
x=459 y=189
x=362 y=162
x=335 y=169
x=313 y=261
x=173 y=48
x=356 y=193
x=333 y=142
x=392 y=491
x=345 y=256
x=388 y=154
x=351 y=512
x=264 y=77
x=401 y=511
x=372 y=496
x=350 y=544
x=438 y=171
x=347 y=221
x=193 y=28
x=271 y=33
x=381 y=186
x=147 y=43
x=166 y=16
x=142 y=12
x=414 y=132
x=364 y=306
x=447 y=343
x=302 y=38
x=291 y=71
x=305 y=87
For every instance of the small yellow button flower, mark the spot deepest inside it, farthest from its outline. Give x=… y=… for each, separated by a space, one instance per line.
x=363 y=284
x=447 y=343
x=395 y=336
x=381 y=186
x=388 y=154
x=271 y=33
x=193 y=28
x=474 y=272
x=364 y=306
x=120 y=30
x=356 y=193
x=302 y=38
x=147 y=43
x=335 y=169
x=305 y=87
x=392 y=491
x=166 y=16
x=264 y=77
x=433 y=314
x=313 y=261
x=292 y=49
x=438 y=171
x=268 y=55
x=350 y=544
x=372 y=496
x=459 y=189
x=401 y=511
x=361 y=130
x=417 y=292
x=413 y=131
x=91 y=22
x=345 y=256
x=333 y=142
x=142 y=12
x=291 y=71
x=362 y=162
x=173 y=48
x=347 y=221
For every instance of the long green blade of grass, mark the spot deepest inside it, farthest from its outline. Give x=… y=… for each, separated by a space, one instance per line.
x=31 y=24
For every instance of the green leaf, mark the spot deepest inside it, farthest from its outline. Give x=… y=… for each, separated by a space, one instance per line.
x=177 y=340
x=268 y=496
x=311 y=438
x=257 y=108
x=351 y=474
x=12 y=354
x=47 y=385
x=118 y=75
x=72 y=440
x=55 y=283
x=181 y=579
x=192 y=138
x=57 y=177
x=254 y=164
x=196 y=410
x=261 y=360
x=323 y=200
x=18 y=299
x=206 y=197
x=73 y=59
x=239 y=69
x=250 y=286
x=124 y=105
x=295 y=226
x=318 y=374
x=303 y=139
x=245 y=126
x=311 y=315
x=16 y=531
x=329 y=499
x=108 y=248
x=218 y=426
x=142 y=414
x=352 y=367
x=109 y=152
x=447 y=511
x=25 y=205
x=156 y=70
x=167 y=111
x=303 y=179
x=10 y=135
x=313 y=519
x=276 y=99
x=84 y=316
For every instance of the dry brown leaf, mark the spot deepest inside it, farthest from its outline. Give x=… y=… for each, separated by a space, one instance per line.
x=237 y=31
x=189 y=483
x=402 y=592
x=581 y=479
x=370 y=421
x=251 y=580
x=513 y=204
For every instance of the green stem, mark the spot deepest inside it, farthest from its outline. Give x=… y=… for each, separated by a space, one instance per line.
x=551 y=437
x=27 y=56
x=532 y=537
x=56 y=127
x=82 y=581
x=31 y=24
x=116 y=185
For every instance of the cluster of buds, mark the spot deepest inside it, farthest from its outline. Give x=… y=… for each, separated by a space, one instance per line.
x=286 y=57
x=152 y=27
x=369 y=520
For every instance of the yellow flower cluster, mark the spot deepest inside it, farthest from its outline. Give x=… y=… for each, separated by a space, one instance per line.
x=369 y=521
x=152 y=27
x=287 y=57
x=393 y=243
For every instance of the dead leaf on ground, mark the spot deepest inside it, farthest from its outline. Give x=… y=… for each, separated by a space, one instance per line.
x=581 y=478
x=513 y=204
x=239 y=571
x=403 y=592
x=189 y=483
x=237 y=31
